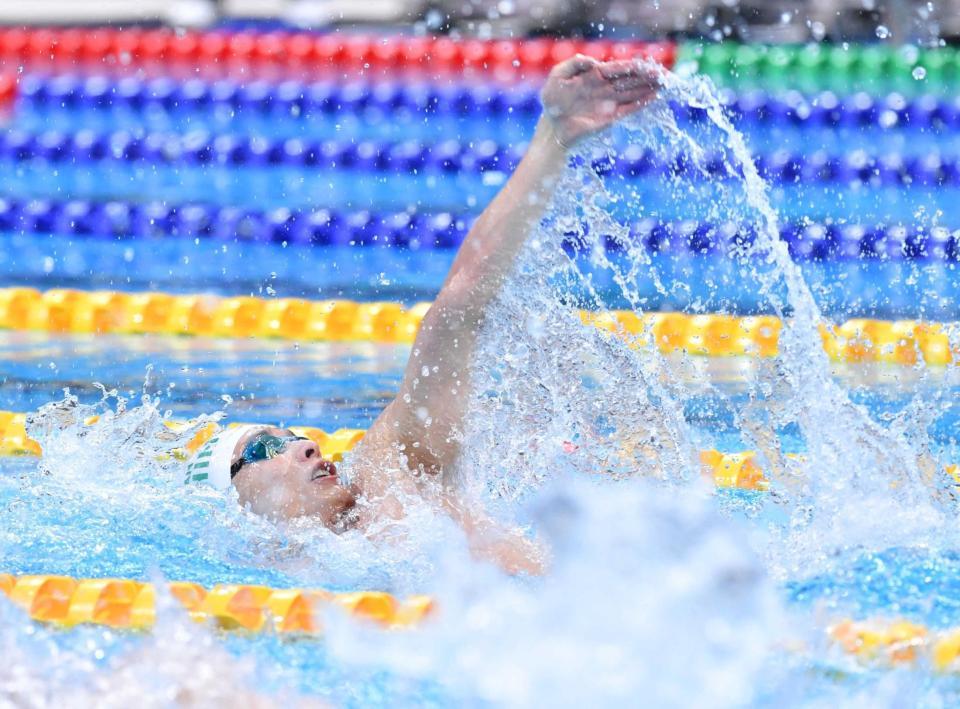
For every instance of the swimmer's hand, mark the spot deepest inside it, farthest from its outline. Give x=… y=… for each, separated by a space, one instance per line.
x=508 y=548
x=583 y=95
x=511 y=551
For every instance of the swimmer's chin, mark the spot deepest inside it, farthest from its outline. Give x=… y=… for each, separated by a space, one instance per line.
x=325 y=502
x=342 y=521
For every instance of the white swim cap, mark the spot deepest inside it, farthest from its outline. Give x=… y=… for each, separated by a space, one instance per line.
x=211 y=463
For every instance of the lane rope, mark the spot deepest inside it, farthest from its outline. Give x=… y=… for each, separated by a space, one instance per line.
x=899 y=643
x=132 y=605
x=246 y=53
x=205 y=149
x=728 y=470
x=61 y=310
x=784 y=64
x=808 y=241
x=226 y=100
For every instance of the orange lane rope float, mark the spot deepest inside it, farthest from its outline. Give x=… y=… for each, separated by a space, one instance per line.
x=898 y=643
x=125 y=603
x=904 y=342
x=132 y=605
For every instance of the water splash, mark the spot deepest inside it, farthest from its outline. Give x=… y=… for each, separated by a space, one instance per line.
x=110 y=474
x=137 y=441
x=565 y=415
x=853 y=463
x=547 y=385
x=179 y=664
x=651 y=595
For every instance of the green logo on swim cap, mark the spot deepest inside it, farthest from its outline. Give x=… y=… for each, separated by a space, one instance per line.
x=198 y=469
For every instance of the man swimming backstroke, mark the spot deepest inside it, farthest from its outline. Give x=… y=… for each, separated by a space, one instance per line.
x=417 y=436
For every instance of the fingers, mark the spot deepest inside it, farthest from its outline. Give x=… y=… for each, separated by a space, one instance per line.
x=623 y=74
x=619 y=68
x=644 y=94
x=629 y=76
x=633 y=84
x=574 y=65
x=627 y=68
x=619 y=106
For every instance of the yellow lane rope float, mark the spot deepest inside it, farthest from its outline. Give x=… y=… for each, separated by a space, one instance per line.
x=125 y=603
x=101 y=312
x=739 y=470
x=729 y=470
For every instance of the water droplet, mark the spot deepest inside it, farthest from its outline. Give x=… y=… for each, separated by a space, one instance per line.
x=434 y=19
x=882 y=31
x=919 y=73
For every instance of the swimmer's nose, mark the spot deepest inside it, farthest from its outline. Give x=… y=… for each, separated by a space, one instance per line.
x=306 y=450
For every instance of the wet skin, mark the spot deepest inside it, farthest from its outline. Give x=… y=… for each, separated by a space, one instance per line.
x=418 y=435
x=298 y=482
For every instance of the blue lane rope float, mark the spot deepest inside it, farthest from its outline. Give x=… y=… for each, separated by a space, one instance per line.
x=444 y=230
x=829 y=110
x=808 y=241
x=300 y=99
x=321 y=227
x=286 y=98
x=201 y=148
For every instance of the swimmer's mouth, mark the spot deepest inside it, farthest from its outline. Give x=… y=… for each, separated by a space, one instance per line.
x=325 y=471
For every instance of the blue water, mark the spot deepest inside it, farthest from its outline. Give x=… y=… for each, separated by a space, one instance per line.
x=208 y=266
x=328 y=385
x=56 y=525
x=275 y=187
x=52 y=528
x=272 y=187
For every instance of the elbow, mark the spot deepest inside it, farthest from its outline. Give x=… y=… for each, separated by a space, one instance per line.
x=472 y=285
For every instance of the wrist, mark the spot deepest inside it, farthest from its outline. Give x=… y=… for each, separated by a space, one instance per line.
x=551 y=136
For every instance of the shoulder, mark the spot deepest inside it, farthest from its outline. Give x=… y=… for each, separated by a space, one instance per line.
x=377 y=453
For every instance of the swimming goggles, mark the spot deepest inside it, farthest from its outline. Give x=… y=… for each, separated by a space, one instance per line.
x=263 y=446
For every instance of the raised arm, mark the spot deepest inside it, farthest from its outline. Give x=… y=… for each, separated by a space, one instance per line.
x=581 y=96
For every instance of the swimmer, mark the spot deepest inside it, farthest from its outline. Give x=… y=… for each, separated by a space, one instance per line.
x=417 y=436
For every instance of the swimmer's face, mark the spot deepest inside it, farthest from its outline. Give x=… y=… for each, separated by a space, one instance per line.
x=297 y=482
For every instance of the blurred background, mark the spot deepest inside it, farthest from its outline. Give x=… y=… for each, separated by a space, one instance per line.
x=748 y=20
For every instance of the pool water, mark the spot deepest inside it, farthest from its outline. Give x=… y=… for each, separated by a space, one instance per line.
x=667 y=593
x=90 y=528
